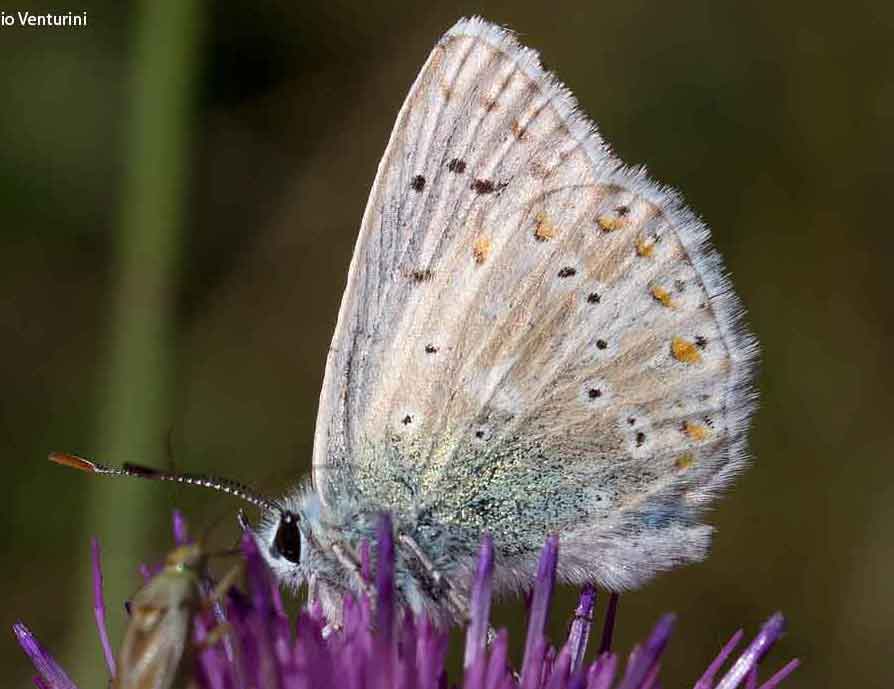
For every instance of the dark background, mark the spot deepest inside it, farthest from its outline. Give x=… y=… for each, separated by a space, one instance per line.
x=180 y=190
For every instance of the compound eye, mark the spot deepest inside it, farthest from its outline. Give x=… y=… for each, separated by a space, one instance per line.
x=288 y=537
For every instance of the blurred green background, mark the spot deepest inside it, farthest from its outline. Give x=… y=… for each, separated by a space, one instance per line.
x=180 y=188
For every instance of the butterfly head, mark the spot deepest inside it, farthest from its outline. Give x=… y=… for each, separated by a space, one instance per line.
x=286 y=538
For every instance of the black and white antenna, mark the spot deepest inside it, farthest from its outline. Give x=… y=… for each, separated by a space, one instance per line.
x=222 y=485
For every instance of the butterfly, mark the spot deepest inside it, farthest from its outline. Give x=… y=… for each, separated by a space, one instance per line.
x=534 y=338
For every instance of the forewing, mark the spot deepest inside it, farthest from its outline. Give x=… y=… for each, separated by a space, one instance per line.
x=533 y=336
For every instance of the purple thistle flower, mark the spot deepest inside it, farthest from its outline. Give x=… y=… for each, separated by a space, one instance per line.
x=379 y=646
x=99 y=607
x=579 y=634
x=51 y=675
x=476 y=635
x=535 y=643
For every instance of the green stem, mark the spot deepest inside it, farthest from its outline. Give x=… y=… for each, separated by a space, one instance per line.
x=135 y=412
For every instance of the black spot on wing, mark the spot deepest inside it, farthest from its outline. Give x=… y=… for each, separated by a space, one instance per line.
x=486 y=186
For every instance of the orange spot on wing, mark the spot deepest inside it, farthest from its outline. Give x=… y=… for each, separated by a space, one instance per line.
x=644 y=247
x=545 y=230
x=685 y=351
x=695 y=430
x=609 y=223
x=481 y=249
x=661 y=295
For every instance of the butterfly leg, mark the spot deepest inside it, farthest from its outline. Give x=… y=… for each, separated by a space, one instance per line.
x=221 y=588
x=349 y=561
x=454 y=599
x=244 y=524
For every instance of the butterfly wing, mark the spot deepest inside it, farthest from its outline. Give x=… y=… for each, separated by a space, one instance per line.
x=533 y=337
